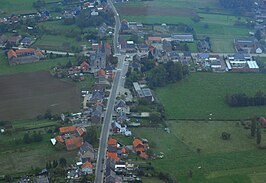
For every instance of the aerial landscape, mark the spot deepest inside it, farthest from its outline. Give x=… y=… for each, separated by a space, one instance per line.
x=141 y=91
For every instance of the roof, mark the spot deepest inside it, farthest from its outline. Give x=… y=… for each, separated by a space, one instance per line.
x=123 y=150
x=27 y=50
x=11 y=53
x=73 y=143
x=67 y=129
x=101 y=72
x=84 y=64
x=144 y=155
x=112 y=141
x=81 y=131
x=112 y=155
x=86 y=164
x=86 y=147
x=137 y=142
x=59 y=139
x=154 y=38
x=262 y=120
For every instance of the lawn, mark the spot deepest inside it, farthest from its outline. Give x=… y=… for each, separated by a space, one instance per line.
x=58 y=43
x=219 y=161
x=16 y=158
x=202 y=96
x=46 y=65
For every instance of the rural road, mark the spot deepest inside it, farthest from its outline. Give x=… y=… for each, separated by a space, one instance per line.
x=100 y=166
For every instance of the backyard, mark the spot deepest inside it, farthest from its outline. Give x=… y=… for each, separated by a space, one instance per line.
x=202 y=96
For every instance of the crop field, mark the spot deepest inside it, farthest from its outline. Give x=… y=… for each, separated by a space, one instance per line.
x=202 y=96
x=219 y=161
x=26 y=95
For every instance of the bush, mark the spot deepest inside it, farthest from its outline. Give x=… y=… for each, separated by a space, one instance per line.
x=226 y=136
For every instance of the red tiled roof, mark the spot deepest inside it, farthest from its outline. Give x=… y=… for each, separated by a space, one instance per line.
x=73 y=143
x=67 y=129
x=59 y=139
x=137 y=142
x=154 y=38
x=86 y=164
x=38 y=53
x=81 y=131
x=112 y=155
x=112 y=142
x=84 y=64
x=27 y=50
x=101 y=72
x=144 y=155
x=11 y=53
x=123 y=150
x=107 y=45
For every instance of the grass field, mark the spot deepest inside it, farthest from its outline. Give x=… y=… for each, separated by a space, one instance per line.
x=26 y=95
x=58 y=43
x=221 y=161
x=202 y=94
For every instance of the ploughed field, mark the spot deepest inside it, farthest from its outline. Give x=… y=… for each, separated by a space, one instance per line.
x=27 y=95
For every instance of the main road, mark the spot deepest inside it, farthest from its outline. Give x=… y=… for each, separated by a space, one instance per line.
x=100 y=166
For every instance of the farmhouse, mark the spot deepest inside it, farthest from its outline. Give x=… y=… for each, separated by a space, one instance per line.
x=241 y=63
x=87 y=168
x=182 y=37
x=245 y=45
x=86 y=151
x=23 y=56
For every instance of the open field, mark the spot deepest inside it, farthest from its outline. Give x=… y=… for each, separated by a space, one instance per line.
x=202 y=94
x=26 y=95
x=220 y=161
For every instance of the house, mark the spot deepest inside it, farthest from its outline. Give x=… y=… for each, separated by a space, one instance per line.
x=153 y=39
x=86 y=168
x=245 y=45
x=85 y=67
x=26 y=41
x=3 y=40
x=113 y=155
x=143 y=92
x=144 y=155
x=138 y=145
x=41 y=179
x=182 y=37
x=73 y=143
x=14 y=40
x=204 y=46
x=124 y=27
x=167 y=46
x=23 y=56
x=173 y=56
x=86 y=151
x=121 y=106
x=112 y=142
x=130 y=47
x=102 y=30
x=119 y=128
x=96 y=116
x=110 y=175
x=67 y=129
x=97 y=96
x=143 y=48
x=262 y=121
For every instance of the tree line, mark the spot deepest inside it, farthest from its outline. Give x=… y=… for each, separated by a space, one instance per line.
x=242 y=99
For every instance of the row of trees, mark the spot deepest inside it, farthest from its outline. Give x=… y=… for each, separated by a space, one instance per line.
x=242 y=99
x=35 y=137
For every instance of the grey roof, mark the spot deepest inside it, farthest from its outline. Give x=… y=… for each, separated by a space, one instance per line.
x=85 y=148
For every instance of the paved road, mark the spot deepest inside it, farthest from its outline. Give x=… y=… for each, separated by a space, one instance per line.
x=100 y=167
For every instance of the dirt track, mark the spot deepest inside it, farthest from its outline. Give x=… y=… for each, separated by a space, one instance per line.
x=26 y=95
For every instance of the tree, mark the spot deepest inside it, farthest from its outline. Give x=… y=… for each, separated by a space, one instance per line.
x=69 y=64
x=258 y=35
x=48 y=114
x=253 y=128
x=258 y=136
x=155 y=117
x=55 y=163
x=226 y=136
x=62 y=162
x=26 y=138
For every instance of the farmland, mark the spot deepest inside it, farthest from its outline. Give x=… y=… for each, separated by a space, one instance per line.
x=215 y=22
x=27 y=95
x=202 y=96
x=220 y=161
